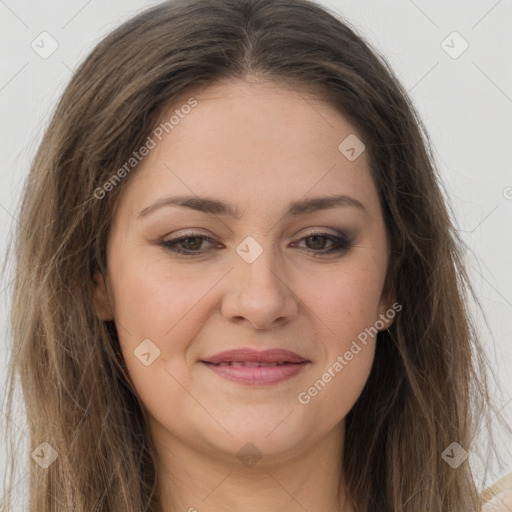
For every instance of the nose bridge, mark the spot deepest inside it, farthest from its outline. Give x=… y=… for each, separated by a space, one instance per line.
x=260 y=292
x=259 y=265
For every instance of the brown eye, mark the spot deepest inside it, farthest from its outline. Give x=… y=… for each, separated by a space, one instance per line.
x=191 y=244
x=319 y=239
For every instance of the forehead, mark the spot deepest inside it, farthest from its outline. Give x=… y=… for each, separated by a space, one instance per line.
x=250 y=143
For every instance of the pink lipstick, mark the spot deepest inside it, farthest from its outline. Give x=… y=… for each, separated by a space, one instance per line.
x=256 y=368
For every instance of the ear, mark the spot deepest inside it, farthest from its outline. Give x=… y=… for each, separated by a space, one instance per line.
x=101 y=300
x=388 y=309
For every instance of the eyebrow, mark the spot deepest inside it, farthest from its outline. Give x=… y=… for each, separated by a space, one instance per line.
x=219 y=207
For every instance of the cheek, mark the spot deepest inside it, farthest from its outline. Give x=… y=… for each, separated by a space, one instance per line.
x=346 y=302
x=345 y=320
x=345 y=310
x=157 y=316
x=153 y=300
x=331 y=396
x=168 y=305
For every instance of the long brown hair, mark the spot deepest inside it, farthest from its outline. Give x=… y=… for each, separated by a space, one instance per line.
x=428 y=385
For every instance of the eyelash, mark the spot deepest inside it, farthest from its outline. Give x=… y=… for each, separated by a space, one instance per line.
x=341 y=244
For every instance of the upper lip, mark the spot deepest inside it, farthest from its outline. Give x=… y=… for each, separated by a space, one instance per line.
x=250 y=355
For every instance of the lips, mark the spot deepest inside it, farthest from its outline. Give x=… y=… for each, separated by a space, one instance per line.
x=249 y=363
x=250 y=357
x=256 y=368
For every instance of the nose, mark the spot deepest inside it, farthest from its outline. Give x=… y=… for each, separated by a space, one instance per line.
x=260 y=293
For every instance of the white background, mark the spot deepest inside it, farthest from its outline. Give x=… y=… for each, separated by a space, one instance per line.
x=465 y=102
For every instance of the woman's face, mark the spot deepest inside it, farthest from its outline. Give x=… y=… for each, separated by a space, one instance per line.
x=261 y=280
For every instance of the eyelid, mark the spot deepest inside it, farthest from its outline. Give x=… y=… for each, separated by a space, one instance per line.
x=341 y=242
x=195 y=232
x=306 y=232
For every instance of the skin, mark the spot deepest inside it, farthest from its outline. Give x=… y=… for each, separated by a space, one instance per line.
x=258 y=146
x=502 y=502
x=498 y=498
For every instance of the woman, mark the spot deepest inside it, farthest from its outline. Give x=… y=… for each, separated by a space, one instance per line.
x=182 y=341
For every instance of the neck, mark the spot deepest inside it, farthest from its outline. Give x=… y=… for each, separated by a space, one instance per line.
x=198 y=480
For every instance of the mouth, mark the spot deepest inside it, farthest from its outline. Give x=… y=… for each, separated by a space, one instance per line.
x=249 y=355
x=251 y=364
x=256 y=374
x=255 y=368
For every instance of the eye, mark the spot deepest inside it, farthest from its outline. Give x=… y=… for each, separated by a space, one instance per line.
x=340 y=244
x=190 y=243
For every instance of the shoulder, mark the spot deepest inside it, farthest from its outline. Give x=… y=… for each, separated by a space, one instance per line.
x=498 y=497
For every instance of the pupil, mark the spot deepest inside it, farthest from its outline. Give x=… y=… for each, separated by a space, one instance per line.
x=316 y=237
x=186 y=240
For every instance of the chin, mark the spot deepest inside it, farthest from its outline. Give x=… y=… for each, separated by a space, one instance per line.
x=264 y=437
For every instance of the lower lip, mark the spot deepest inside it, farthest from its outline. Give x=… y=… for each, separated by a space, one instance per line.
x=258 y=375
